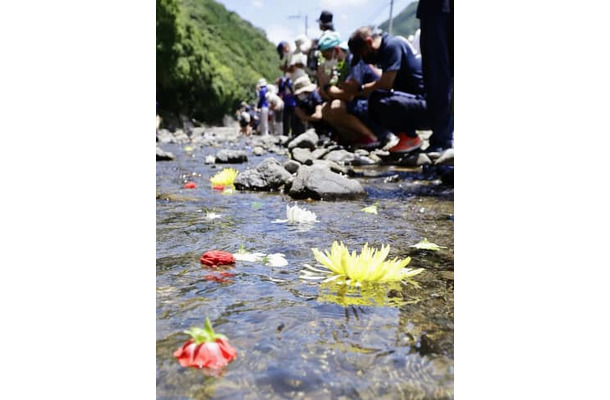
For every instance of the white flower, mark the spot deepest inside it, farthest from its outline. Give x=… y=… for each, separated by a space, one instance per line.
x=211 y=215
x=296 y=214
x=275 y=260
x=210 y=159
x=250 y=257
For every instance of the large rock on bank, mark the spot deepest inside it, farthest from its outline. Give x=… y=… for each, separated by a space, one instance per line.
x=320 y=183
x=231 y=157
x=268 y=175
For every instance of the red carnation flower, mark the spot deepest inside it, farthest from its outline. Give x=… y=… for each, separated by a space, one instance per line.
x=190 y=185
x=206 y=349
x=214 y=258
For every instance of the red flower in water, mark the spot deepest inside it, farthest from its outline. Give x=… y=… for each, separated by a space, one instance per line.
x=206 y=349
x=190 y=185
x=214 y=258
x=218 y=187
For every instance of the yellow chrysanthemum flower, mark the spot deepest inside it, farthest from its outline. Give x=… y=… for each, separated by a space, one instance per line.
x=226 y=177
x=368 y=266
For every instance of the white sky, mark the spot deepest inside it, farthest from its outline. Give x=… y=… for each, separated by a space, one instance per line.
x=273 y=16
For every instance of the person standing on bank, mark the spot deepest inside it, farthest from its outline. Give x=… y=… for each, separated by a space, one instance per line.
x=397 y=100
x=263 y=106
x=326 y=21
x=436 y=43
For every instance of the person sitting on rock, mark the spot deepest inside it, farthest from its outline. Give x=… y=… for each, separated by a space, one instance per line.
x=397 y=100
x=344 y=110
x=243 y=115
x=309 y=105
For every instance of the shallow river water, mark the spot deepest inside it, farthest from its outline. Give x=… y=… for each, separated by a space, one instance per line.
x=295 y=338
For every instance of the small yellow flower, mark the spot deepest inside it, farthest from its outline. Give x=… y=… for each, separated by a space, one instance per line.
x=226 y=177
x=368 y=266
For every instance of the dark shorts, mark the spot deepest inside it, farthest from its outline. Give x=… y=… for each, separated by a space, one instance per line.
x=359 y=108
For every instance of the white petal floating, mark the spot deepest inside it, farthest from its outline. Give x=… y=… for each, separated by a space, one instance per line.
x=276 y=260
x=298 y=215
x=211 y=215
x=249 y=257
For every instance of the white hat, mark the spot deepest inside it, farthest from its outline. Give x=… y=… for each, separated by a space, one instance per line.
x=303 y=43
x=303 y=84
x=261 y=82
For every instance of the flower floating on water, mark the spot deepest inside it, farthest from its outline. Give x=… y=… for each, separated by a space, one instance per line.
x=210 y=159
x=190 y=185
x=211 y=215
x=368 y=266
x=296 y=214
x=206 y=349
x=426 y=245
x=224 y=178
x=273 y=260
x=215 y=258
x=371 y=209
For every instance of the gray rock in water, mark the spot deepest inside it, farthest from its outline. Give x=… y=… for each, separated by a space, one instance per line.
x=301 y=155
x=339 y=169
x=291 y=166
x=319 y=182
x=258 y=151
x=340 y=156
x=305 y=140
x=165 y=136
x=164 y=155
x=231 y=157
x=181 y=137
x=268 y=175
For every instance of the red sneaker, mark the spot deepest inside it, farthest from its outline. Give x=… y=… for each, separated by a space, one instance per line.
x=406 y=144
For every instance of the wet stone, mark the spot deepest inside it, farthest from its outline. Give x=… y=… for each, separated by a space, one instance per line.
x=258 y=151
x=164 y=155
x=231 y=157
x=291 y=166
x=305 y=140
x=301 y=155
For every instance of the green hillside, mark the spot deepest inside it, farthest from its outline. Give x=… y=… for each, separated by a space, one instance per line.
x=405 y=23
x=208 y=59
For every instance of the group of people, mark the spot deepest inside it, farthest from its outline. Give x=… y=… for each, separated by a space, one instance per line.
x=373 y=90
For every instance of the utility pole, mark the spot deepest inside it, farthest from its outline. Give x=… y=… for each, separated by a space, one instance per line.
x=298 y=17
x=391 y=6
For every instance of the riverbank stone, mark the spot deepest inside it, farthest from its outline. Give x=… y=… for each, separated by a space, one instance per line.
x=292 y=166
x=301 y=155
x=320 y=183
x=164 y=155
x=306 y=140
x=267 y=176
x=231 y=157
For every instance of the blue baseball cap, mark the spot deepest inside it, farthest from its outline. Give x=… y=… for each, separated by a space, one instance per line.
x=329 y=40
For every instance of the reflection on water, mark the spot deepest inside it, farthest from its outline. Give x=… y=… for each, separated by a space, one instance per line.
x=299 y=339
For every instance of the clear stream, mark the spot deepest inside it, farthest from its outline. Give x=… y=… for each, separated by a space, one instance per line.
x=298 y=339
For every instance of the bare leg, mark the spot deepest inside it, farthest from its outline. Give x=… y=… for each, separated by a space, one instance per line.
x=348 y=125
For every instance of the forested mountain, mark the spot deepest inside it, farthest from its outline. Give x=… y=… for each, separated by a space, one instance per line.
x=405 y=23
x=208 y=59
